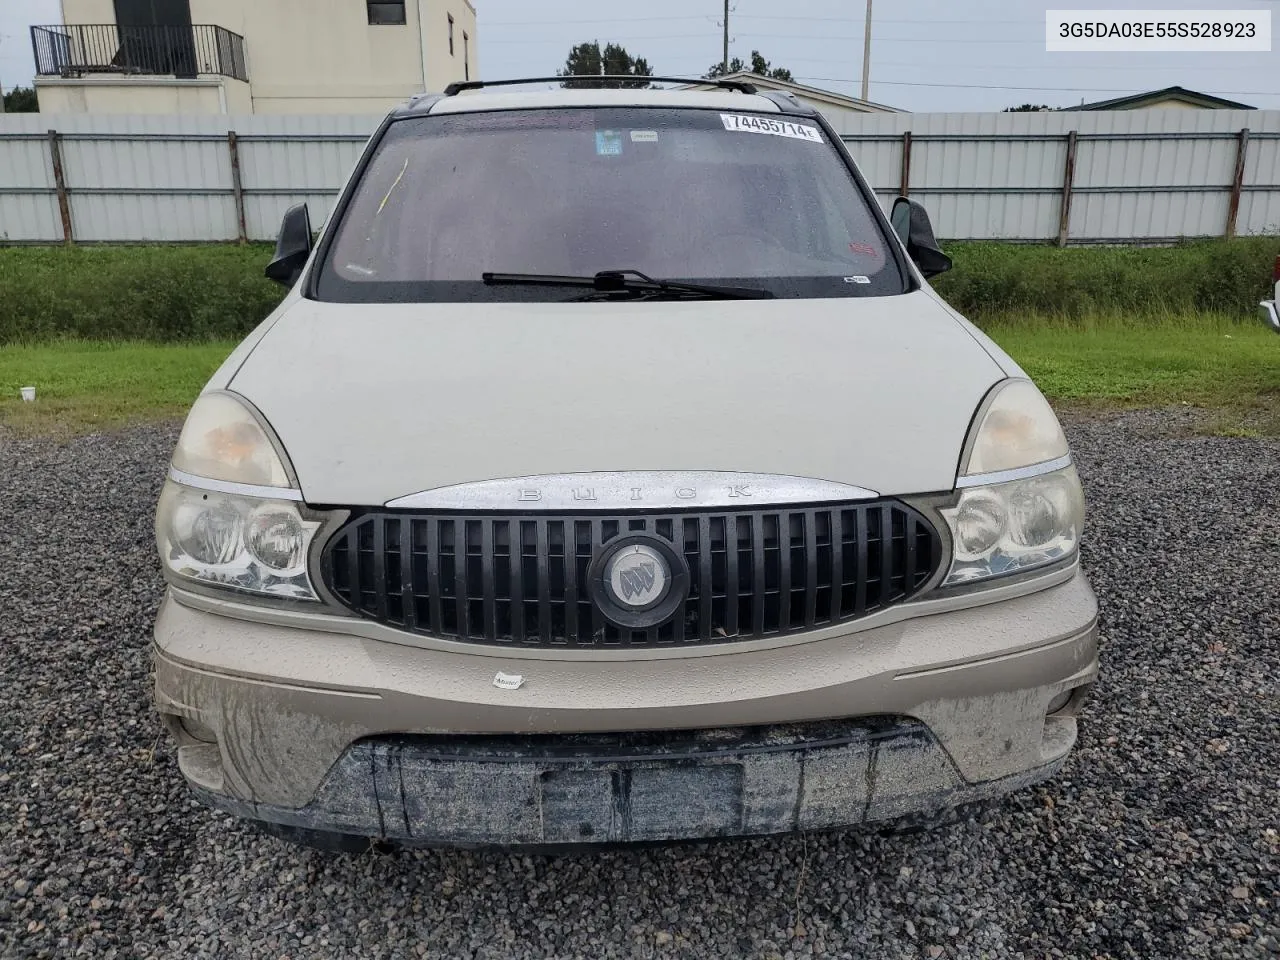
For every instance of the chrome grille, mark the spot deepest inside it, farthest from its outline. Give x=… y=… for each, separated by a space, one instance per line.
x=520 y=580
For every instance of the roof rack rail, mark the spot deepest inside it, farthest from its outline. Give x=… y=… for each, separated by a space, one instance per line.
x=454 y=89
x=788 y=101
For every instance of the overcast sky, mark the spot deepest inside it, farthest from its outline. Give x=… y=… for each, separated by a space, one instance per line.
x=926 y=54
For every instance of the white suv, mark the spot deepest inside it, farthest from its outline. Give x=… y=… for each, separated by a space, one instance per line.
x=611 y=473
x=1271 y=308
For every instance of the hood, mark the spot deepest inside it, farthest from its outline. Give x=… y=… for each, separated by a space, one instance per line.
x=378 y=401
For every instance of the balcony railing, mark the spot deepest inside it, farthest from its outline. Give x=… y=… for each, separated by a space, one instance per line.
x=77 y=49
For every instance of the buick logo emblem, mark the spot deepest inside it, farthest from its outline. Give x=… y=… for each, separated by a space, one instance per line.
x=637 y=576
x=638 y=580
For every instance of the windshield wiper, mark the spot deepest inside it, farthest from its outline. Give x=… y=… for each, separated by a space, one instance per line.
x=629 y=281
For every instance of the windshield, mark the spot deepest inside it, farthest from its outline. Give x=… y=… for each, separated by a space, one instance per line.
x=691 y=195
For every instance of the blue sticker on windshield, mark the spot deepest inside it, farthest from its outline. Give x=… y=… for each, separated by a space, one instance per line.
x=609 y=143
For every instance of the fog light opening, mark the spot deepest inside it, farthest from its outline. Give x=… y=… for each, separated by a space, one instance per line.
x=1058 y=703
x=197 y=730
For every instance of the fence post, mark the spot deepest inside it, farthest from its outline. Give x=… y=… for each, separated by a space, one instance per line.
x=1068 y=180
x=1237 y=182
x=60 y=182
x=237 y=188
x=905 y=190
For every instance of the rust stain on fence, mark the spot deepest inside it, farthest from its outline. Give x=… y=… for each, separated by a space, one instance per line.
x=237 y=187
x=60 y=184
x=1068 y=182
x=1237 y=183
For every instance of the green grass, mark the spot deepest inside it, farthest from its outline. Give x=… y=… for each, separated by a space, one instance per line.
x=87 y=386
x=155 y=293
x=994 y=280
x=1201 y=360
x=1231 y=368
x=173 y=293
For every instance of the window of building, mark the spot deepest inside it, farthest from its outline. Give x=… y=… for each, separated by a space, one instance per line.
x=451 y=34
x=386 y=11
x=466 y=56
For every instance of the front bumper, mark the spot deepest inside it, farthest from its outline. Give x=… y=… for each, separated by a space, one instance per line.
x=570 y=791
x=346 y=734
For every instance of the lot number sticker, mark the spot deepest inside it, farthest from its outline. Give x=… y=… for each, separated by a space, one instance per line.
x=774 y=128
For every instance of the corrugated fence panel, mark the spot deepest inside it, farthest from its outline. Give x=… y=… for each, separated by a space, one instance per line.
x=153 y=218
x=1259 y=208
x=1140 y=175
x=168 y=178
x=1119 y=183
x=880 y=161
x=848 y=123
x=264 y=212
x=24 y=162
x=28 y=207
x=296 y=166
x=27 y=217
x=987 y=188
x=1152 y=215
x=287 y=160
x=1012 y=189
x=156 y=190
x=993 y=216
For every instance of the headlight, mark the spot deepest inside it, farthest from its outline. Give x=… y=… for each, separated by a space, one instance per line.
x=1017 y=429
x=1021 y=505
x=277 y=537
x=1010 y=527
x=223 y=440
x=221 y=521
x=244 y=543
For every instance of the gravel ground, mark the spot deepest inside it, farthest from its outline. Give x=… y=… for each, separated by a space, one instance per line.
x=1159 y=839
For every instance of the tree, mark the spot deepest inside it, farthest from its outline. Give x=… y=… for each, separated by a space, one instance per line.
x=759 y=66
x=588 y=60
x=1028 y=108
x=21 y=100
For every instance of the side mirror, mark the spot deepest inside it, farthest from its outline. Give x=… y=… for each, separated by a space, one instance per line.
x=293 y=246
x=911 y=223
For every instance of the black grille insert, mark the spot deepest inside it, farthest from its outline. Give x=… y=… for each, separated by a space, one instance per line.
x=521 y=579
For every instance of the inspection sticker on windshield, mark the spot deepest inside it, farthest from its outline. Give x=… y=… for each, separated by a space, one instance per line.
x=609 y=143
x=774 y=128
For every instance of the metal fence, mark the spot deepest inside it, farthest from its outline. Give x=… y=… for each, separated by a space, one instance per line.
x=1132 y=176
x=168 y=178
x=1145 y=176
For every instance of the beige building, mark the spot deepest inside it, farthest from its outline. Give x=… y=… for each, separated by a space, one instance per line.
x=251 y=56
x=1170 y=98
